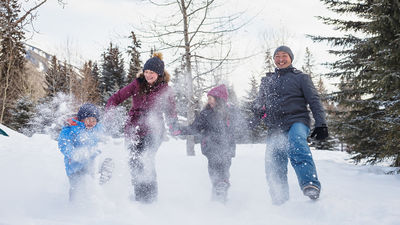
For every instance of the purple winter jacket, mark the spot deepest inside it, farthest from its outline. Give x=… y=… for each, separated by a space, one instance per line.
x=147 y=110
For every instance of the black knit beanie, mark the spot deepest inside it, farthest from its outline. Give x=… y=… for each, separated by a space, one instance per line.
x=88 y=110
x=155 y=64
x=285 y=49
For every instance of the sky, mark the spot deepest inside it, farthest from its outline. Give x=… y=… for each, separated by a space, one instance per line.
x=34 y=189
x=82 y=30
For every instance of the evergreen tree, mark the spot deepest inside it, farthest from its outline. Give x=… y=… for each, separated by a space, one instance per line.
x=64 y=81
x=232 y=97
x=96 y=74
x=12 y=58
x=179 y=87
x=256 y=134
x=308 y=68
x=269 y=62
x=135 y=64
x=112 y=75
x=22 y=113
x=55 y=78
x=369 y=71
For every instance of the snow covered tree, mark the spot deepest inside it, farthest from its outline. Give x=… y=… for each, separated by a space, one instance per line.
x=369 y=71
x=269 y=66
x=112 y=75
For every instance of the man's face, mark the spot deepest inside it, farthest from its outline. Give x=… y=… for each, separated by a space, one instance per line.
x=282 y=60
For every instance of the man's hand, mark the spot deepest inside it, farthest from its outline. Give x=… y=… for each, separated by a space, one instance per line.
x=321 y=133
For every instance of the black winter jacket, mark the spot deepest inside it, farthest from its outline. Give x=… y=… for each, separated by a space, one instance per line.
x=285 y=96
x=217 y=133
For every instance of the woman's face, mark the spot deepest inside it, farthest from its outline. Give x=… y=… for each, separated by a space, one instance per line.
x=150 y=76
x=211 y=101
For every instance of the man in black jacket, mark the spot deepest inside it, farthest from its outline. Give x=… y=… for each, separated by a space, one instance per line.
x=282 y=102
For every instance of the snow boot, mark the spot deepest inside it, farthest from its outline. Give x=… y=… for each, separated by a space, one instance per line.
x=220 y=192
x=311 y=191
x=106 y=170
x=146 y=192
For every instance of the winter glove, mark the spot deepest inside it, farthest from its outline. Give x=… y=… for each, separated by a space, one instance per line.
x=321 y=133
x=258 y=116
x=174 y=129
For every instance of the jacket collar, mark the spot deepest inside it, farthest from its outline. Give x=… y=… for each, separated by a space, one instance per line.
x=284 y=70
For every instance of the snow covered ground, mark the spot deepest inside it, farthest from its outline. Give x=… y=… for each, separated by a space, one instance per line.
x=34 y=190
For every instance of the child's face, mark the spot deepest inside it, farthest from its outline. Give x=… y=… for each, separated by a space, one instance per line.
x=90 y=122
x=211 y=101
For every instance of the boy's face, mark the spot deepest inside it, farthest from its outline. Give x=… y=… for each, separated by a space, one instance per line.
x=90 y=122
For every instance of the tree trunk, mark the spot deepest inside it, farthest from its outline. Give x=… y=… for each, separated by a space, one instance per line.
x=189 y=79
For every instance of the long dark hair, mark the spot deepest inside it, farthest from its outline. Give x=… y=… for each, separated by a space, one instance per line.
x=145 y=87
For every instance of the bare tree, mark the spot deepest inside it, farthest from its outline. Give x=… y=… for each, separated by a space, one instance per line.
x=89 y=85
x=193 y=31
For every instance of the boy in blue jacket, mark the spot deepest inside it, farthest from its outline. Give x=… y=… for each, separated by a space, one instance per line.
x=78 y=143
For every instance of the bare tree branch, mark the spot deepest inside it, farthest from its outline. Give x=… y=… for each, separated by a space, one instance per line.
x=29 y=12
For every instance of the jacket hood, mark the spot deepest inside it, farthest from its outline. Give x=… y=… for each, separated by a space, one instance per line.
x=219 y=92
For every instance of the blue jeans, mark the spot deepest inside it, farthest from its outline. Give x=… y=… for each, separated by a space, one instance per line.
x=293 y=145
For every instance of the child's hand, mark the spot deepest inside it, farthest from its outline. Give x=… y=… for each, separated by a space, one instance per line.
x=176 y=132
x=175 y=129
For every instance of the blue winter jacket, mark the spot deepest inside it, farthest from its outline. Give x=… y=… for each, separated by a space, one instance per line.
x=79 y=145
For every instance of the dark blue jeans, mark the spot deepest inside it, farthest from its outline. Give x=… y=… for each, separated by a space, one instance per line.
x=292 y=145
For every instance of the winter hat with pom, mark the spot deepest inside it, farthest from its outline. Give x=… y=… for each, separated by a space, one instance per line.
x=155 y=64
x=285 y=49
x=219 y=92
x=88 y=110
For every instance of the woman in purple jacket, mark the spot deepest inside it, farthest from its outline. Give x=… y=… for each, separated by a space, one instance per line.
x=144 y=131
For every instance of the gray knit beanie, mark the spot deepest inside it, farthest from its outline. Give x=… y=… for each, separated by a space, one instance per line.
x=286 y=49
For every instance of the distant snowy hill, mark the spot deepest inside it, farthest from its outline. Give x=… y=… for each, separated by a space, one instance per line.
x=34 y=190
x=39 y=58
